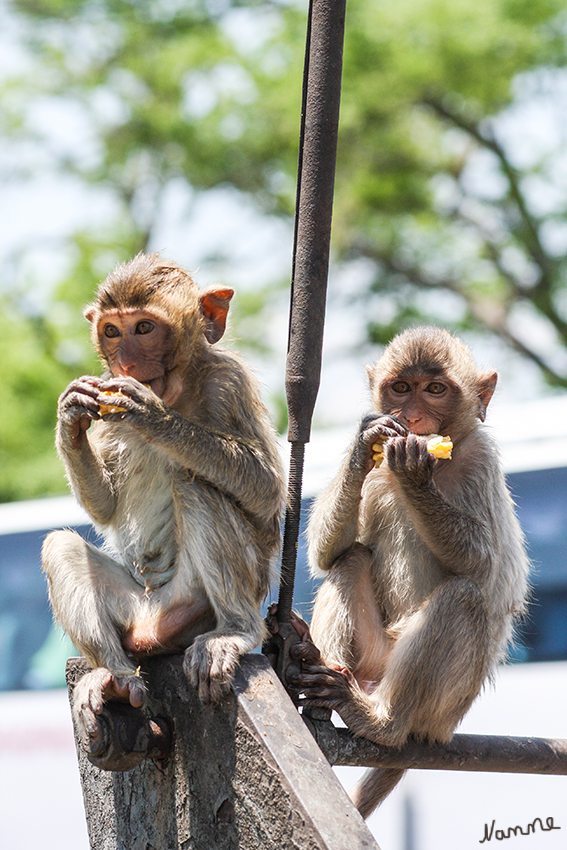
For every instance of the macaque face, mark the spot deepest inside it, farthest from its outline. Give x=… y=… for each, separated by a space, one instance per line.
x=136 y=343
x=424 y=404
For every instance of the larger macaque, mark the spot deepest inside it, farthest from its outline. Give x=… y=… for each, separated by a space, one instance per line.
x=172 y=455
x=425 y=561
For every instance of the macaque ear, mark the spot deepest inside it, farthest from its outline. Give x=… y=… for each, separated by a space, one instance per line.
x=485 y=389
x=89 y=312
x=370 y=373
x=214 y=306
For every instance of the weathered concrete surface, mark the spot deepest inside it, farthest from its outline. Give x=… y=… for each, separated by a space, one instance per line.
x=243 y=775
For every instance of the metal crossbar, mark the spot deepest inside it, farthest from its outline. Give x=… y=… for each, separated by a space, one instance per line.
x=488 y=753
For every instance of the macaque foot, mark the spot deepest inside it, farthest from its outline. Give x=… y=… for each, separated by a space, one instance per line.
x=210 y=663
x=324 y=687
x=336 y=688
x=95 y=689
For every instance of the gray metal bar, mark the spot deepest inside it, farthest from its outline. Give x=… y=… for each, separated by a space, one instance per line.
x=488 y=753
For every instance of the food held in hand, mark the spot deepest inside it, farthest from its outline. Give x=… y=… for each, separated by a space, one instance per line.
x=439 y=447
x=110 y=408
x=378 y=451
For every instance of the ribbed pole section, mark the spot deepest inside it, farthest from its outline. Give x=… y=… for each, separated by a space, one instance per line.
x=314 y=205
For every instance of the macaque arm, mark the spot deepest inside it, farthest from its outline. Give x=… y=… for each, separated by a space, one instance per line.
x=88 y=475
x=240 y=468
x=334 y=524
x=460 y=540
x=244 y=467
x=458 y=528
x=91 y=482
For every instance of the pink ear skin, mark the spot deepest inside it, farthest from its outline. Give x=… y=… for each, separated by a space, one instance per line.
x=214 y=306
x=486 y=386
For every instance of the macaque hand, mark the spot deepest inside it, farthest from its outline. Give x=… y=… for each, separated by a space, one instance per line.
x=77 y=407
x=410 y=460
x=271 y=618
x=296 y=621
x=210 y=663
x=374 y=429
x=97 y=687
x=324 y=687
x=133 y=401
x=305 y=650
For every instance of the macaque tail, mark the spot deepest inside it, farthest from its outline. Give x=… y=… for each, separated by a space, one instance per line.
x=374 y=787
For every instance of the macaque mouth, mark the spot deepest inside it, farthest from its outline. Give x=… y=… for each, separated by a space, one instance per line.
x=426 y=426
x=157 y=384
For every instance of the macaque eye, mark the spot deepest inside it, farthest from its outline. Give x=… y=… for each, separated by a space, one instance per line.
x=144 y=327
x=111 y=331
x=401 y=387
x=436 y=388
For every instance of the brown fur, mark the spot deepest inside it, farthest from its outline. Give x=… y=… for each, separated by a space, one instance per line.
x=425 y=559
x=184 y=483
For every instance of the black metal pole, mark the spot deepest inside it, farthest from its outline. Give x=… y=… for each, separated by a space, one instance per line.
x=315 y=186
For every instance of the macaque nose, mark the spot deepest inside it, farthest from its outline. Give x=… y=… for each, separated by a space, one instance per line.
x=412 y=416
x=126 y=360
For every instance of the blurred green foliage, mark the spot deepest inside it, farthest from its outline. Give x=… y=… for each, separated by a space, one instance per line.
x=207 y=92
x=31 y=381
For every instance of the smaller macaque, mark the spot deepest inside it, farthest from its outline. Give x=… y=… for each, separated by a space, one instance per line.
x=172 y=454
x=425 y=562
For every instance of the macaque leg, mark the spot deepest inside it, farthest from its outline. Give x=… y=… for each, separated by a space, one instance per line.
x=438 y=664
x=434 y=673
x=347 y=624
x=91 y=598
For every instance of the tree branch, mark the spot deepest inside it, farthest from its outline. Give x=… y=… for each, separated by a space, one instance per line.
x=540 y=298
x=487 y=140
x=490 y=320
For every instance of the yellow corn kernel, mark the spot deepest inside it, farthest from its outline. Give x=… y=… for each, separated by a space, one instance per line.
x=440 y=447
x=110 y=408
x=378 y=452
